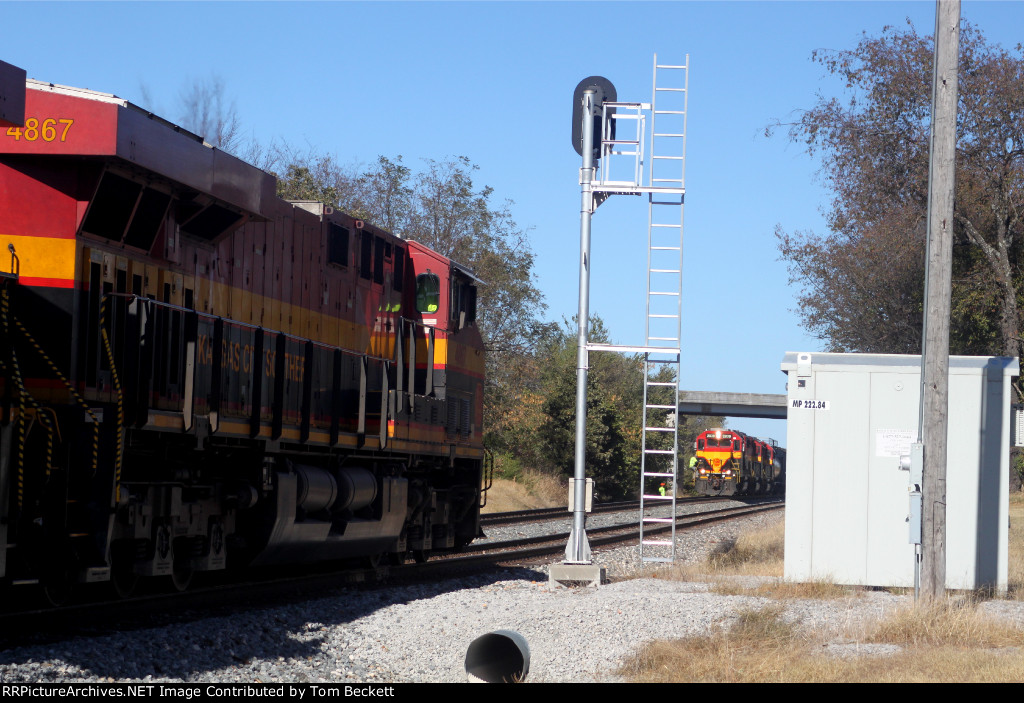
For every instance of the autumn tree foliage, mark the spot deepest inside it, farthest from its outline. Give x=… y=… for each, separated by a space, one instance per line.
x=861 y=285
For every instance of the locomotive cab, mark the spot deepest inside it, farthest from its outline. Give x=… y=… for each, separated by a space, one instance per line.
x=732 y=463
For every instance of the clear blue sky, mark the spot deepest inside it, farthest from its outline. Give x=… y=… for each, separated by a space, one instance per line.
x=493 y=81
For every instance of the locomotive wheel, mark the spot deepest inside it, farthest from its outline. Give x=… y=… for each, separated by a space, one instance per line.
x=396 y=558
x=420 y=556
x=123 y=580
x=57 y=588
x=56 y=594
x=181 y=577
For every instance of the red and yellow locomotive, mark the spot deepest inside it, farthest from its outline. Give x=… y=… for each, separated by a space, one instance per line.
x=732 y=463
x=197 y=373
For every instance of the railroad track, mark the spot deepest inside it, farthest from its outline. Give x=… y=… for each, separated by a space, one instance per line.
x=524 y=549
x=538 y=514
x=164 y=608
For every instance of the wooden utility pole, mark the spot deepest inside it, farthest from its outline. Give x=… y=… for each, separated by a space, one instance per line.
x=938 y=289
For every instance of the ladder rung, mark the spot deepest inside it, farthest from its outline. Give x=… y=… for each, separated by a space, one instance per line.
x=660 y=474
x=665 y=248
x=655 y=496
x=660 y=383
x=658 y=451
x=670 y=158
x=662 y=292
x=658 y=543
x=670 y=112
x=672 y=90
x=661 y=407
x=656 y=224
x=658 y=519
x=663 y=339
x=663 y=316
x=659 y=429
x=665 y=271
x=665 y=65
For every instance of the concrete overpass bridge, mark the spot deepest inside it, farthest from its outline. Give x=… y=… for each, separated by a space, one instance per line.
x=766 y=405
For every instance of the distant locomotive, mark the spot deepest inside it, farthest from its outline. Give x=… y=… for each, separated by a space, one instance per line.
x=732 y=463
x=195 y=373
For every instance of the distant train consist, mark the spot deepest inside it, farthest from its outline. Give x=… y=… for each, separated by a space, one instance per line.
x=732 y=463
x=195 y=373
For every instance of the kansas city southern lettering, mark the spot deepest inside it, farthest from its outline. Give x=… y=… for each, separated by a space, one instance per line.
x=239 y=357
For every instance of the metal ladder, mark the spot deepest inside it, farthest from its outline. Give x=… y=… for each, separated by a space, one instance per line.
x=659 y=463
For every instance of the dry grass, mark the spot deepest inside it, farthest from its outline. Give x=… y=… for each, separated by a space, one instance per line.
x=938 y=644
x=752 y=553
x=945 y=623
x=529 y=490
x=1015 y=590
x=783 y=590
x=948 y=641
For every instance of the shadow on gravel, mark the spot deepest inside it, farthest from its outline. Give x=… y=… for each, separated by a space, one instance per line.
x=241 y=641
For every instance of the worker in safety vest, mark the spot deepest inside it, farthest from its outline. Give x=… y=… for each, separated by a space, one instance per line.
x=661 y=489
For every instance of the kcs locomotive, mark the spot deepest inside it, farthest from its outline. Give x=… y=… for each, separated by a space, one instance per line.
x=732 y=463
x=197 y=374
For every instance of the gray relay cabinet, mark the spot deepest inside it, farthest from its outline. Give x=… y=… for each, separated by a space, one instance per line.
x=850 y=417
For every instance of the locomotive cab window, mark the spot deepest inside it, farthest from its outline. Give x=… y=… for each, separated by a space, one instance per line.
x=399 y=272
x=428 y=292
x=337 y=245
x=721 y=442
x=366 y=255
x=463 y=303
x=380 y=251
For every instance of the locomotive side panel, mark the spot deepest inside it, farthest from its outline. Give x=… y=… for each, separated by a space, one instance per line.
x=232 y=378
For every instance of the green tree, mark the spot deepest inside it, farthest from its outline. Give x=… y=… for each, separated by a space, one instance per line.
x=301 y=183
x=861 y=285
x=614 y=411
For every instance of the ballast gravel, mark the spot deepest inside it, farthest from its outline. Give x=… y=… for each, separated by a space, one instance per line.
x=420 y=633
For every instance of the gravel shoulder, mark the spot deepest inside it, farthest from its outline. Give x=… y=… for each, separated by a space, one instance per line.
x=420 y=633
